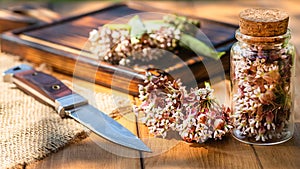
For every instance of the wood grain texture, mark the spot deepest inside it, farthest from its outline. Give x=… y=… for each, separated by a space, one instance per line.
x=82 y=155
x=10 y=20
x=88 y=69
x=284 y=155
x=59 y=44
x=25 y=15
x=227 y=153
x=36 y=12
x=94 y=152
x=228 y=12
x=45 y=84
x=6 y=25
x=85 y=154
x=174 y=153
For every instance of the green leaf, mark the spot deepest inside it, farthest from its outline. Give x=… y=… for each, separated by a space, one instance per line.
x=137 y=28
x=118 y=26
x=199 y=47
x=152 y=25
x=207 y=84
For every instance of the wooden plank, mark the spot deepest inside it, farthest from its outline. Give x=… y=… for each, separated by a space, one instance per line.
x=63 y=41
x=74 y=32
x=227 y=153
x=93 y=152
x=74 y=65
x=85 y=154
x=10 y=20
x=25 y=15
x=284 y=155
x=267 y=157
x=203 y=9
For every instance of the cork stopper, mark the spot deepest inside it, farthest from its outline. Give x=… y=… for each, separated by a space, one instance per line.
x=261 y=22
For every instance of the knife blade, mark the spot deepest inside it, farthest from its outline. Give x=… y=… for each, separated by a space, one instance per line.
x=67 y=103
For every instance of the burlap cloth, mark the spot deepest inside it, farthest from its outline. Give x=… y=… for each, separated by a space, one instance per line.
x=30 y=130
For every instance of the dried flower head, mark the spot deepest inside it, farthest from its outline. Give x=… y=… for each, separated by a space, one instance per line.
x=262 y=101
x=114 y=45
x=161 y=103
x=167 y=105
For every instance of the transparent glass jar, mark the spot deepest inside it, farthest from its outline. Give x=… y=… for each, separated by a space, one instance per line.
x=262 y=77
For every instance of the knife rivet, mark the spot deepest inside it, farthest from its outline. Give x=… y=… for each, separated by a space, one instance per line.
x=55 y=87
x=34 y=74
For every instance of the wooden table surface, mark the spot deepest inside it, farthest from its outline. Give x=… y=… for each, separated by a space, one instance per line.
x=170 y=153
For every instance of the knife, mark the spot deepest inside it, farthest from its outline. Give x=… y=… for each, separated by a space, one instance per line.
x=67 y=103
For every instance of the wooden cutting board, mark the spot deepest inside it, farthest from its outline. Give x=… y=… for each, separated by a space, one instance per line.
x=59 y=45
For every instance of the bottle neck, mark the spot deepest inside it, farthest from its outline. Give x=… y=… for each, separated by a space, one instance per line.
x=263 y=43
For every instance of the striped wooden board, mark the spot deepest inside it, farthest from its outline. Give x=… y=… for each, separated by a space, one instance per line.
x=59 y=45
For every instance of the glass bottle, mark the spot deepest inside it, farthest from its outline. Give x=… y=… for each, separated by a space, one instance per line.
x=262 y=75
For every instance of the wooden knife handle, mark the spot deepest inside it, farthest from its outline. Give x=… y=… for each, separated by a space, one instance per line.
x=45 y=88
x=46 y=85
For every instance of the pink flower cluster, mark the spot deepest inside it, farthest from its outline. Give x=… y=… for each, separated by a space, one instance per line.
x=195 y=115
x=262 y=97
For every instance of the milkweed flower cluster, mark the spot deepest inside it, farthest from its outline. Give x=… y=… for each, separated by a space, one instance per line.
x=262 y=94
x=118 y=44
x=204 y=117
x=117 y=47
x=168 y=106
